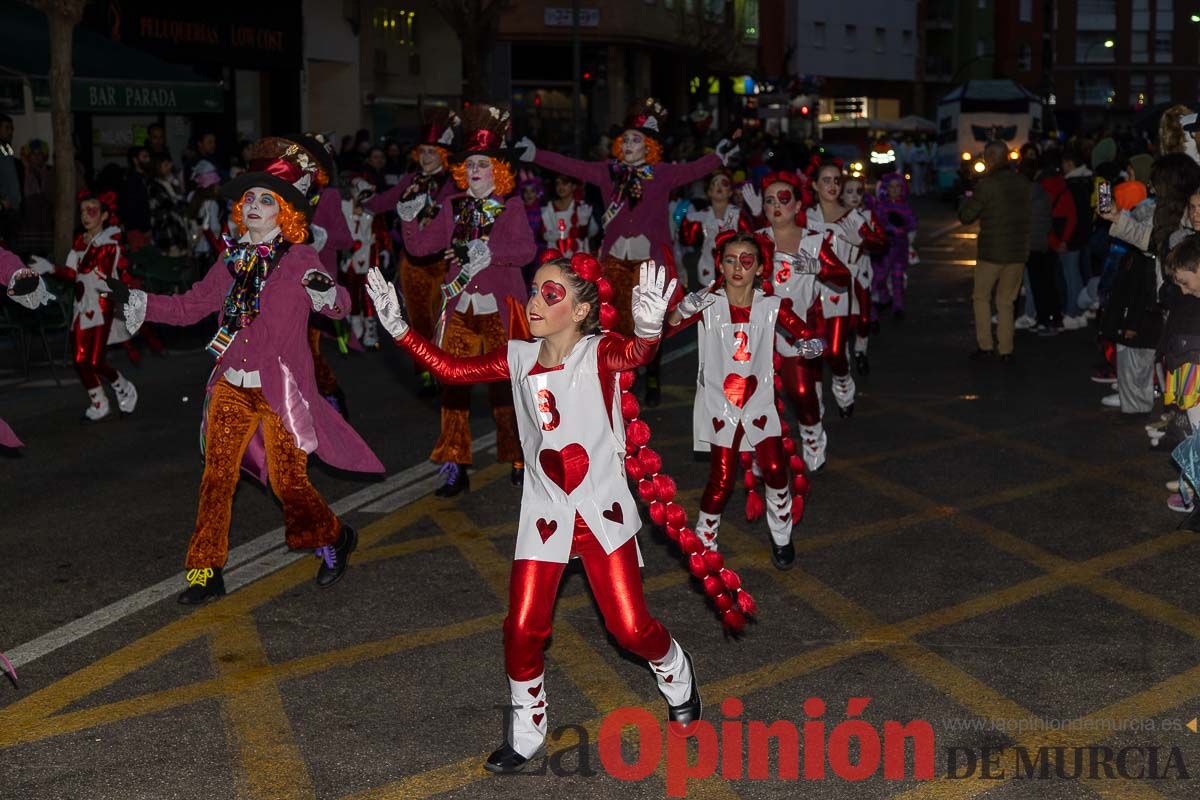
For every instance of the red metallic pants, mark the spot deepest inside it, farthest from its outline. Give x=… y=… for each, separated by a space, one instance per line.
x=800 y=379
x=723 y=470
x=837 y=338
x=89 y=346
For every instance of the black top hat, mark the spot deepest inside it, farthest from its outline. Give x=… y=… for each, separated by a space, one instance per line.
x=484 y=133
x=284 y=167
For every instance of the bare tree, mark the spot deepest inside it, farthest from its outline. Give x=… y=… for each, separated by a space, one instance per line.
x=477 y=22
x=716 y=36
x=63 y=16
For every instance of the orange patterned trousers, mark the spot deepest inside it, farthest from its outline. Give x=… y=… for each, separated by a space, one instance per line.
x=421 y=282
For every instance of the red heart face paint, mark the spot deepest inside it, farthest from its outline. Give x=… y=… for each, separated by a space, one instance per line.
x=747 y=260
x=553 y=292
x=784 y=197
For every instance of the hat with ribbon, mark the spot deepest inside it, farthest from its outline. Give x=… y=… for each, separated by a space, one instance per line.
x=648 y=117
x=440 y=127
x=320 y=147
x=282 y=166
x=484 y=133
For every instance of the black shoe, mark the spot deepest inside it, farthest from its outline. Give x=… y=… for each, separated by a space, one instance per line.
x=517 y=476
x=653 y=393
x=428 y=387
x=982 y=355
x=783 y=557
x=846 y=412
x=506 y=761
x=204 y=584
x=336 y=557
x=457 y=480
x=862 y=364
x=898 y=315
x=691 y=709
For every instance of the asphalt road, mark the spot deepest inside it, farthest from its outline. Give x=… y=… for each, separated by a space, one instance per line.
x=988 y=552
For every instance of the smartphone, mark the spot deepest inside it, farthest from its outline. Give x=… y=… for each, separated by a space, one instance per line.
x=1104 y=198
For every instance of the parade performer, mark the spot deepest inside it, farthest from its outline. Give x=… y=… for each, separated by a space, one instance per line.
x=204 y=211
x=576 y=500
x=421 y=277
x=792 y=276
x=486 y=240
x=568 y=224
x=735 y=410
x=843 y=230
x=898 y=220
x=23 y=286
x=264 y=287
x=636 y=186
x=97 y=254
x=370 y=249
x=861 y=270
x=704 y=223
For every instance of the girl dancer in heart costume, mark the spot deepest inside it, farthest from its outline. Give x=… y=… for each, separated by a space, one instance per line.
x=483 y=231
x=801 y=265
x=861 y=272
x=845 y=230
x=735 y=407
x=898 y=220
x=567 y=221
x=24 y=286
x=370 y=249
x=636 y=186
x=97 y=255
x=576 y=499
x=701 y=226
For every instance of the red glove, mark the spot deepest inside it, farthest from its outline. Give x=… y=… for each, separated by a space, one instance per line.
x=834 y=273
x=873 y=239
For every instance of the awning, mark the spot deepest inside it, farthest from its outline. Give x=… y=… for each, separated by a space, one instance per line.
x=109 y=77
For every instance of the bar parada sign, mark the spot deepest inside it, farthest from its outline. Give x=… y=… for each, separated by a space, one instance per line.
x=134 y=96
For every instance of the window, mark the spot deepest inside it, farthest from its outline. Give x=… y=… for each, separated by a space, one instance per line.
x=1164 y=19
x=851 y=37
x=880 y=40
x=1026 y=11
x=1162 y=47
x=1093 y=91
x=1024 y=58
x=1090 y=49
x=1162 y=89
x=1137 y=91
x=1096 y=15
x=1140 y=18
x=1139 y=47
x=818 y=39
x=750 y=20
x=906 y=42
x=980 y=47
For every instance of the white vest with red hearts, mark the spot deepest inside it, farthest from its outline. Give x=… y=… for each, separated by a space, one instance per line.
x=800 y=288
x=575 y=459
x=845 y=241
x=860 y=264
x=735 y=382
x=360 y=260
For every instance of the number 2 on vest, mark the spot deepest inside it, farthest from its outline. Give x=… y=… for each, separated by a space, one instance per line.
x=741 y=353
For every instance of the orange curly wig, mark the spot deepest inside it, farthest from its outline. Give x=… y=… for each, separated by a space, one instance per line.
x=292 y=222
x=501 y=173
x=414 y=157
x=653 y=149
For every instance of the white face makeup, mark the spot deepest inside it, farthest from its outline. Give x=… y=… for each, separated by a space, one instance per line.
x=852 y=194
x=633 y=147
x=260 y=212
x=481 y=179
x=92 y=216
x=829 y=184
x=429 y=158
x=719 y=188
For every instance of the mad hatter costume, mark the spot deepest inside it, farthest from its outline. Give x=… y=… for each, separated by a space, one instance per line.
x=264 y=288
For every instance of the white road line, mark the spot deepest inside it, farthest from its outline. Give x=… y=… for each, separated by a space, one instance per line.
x=263 y=555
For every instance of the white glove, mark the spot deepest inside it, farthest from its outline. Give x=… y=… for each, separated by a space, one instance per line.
x=528 y=148
x=810 y=348
x=40 y=265
x=752 y=199
x=727 y=149
x=695 y=302
x=408 y=209
x=649 y=301
x=320 y=299
x=387 y=304
x=479 y=257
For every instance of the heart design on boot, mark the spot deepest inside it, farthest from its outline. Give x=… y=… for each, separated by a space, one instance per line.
x=718 y=424
x=565 y=467
x=546 y=529
x=669 y=679
x=615 y=514
x=738 y=389
x=535 y=691
x=761 y=422
x=537 y=718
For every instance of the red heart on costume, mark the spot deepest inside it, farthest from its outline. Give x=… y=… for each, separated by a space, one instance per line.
x=615 y=514
x=89 y=314
x=565 y=467
x=761 y=422
x=738 y=388
x=718 y=424
x=537 y=718
x=835 y=298
x=669 y=679
x=546 y=529
x=535 y=691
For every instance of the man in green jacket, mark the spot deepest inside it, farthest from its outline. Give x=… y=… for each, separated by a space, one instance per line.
x=1001 y=204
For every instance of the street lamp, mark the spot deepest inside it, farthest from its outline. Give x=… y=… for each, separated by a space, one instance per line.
x=1108 y=45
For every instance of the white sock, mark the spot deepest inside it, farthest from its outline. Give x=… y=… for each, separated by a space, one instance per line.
x=813 y=441
x=674 y=676
x=860 y=344
x=779 y=514
x=527 y=725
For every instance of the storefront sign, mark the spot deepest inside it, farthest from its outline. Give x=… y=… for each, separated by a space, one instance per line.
x=563 y=17
x=120 y=97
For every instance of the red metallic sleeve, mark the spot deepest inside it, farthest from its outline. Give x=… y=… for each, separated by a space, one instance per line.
x=487 y=368
x=874 y=240
x=797 y=327
x=834 y=273
x=617 y=353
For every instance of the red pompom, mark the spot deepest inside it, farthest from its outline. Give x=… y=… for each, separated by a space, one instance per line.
x=674 y=533
x=608 y=317
x=714 y=560
x=750 y=480
x=746 y=604
x=676 y=515
x=658 y=513
x=689 y=542
x=605 y=289
x=713 y=586
x=696 y=565
x=629 y=406
x=631 y=449
x=785 y=430
x=776 y=361
x=633 y=468
x=795 y=464
x=747 y=459
x=646 y=490
x=800 y=484
x=549 y=254
x=789 y=445
x=730 y=579
x=664 y=485
x=586 y=266
x=755 y=506
x=734 y=620
x=723 y=602
x=797 y=508
x=651 y=461
x=778 y=384
x=627 y=378
x=638 y=433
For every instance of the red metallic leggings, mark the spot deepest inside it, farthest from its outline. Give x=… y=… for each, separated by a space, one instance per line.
x=616 y=583
x=356 y=285
x=722 y=472
x=862 y=323
x=800 y=379
x=837 y=336
x=89 y=346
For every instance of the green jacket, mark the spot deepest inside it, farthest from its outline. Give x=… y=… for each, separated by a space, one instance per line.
x=1001 y=204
